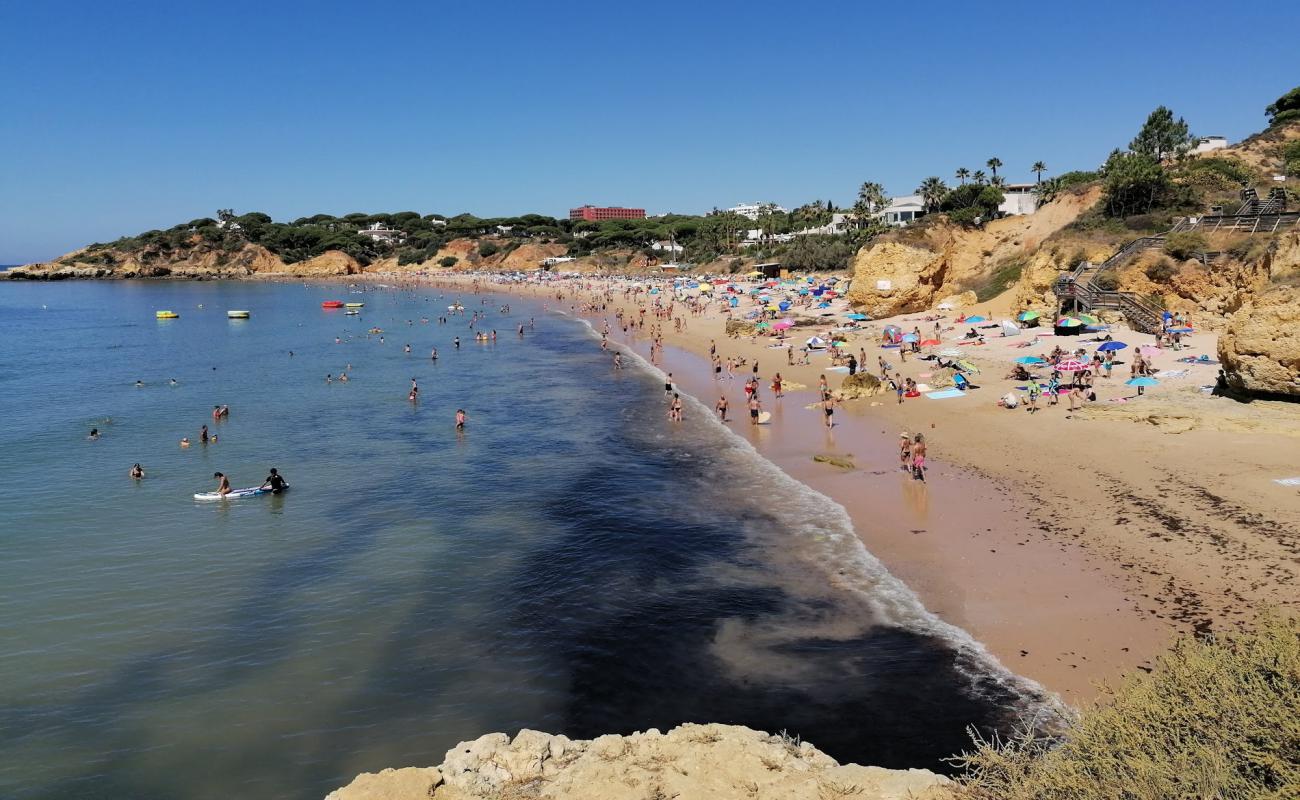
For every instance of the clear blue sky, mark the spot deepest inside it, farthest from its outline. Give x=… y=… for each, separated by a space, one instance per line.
x=125 y=116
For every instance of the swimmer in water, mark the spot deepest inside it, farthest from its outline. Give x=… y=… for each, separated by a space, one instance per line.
x=139 y=384
x=456 y=342
x=203 y=435
x=461 y=416
x=137 y=472
x=433 y=356
x=185 y=441
x=223 y=483
x=407 y=348
x=94 y=434
x=171 y=381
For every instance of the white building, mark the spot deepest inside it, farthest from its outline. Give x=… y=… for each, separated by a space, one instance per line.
x=1207 y=144
x=752 y=210
x=665 y=246
x=839 y=224
x=902 y=210
x=1018 y=199
x=380 y=232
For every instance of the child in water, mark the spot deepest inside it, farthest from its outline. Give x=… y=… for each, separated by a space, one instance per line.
x=461 y=416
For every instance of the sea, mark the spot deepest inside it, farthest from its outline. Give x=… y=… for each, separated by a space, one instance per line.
x=570 y=562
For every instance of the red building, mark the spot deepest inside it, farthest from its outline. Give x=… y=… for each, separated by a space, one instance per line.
x=597 y=213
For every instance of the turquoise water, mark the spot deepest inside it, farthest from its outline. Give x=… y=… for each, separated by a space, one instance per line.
x=571 y=562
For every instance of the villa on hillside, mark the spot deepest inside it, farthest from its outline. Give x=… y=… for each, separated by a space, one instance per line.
x=1018 y=199
x=1208 y=144
x=379 y=232
x=902 y=210
x=752 y=210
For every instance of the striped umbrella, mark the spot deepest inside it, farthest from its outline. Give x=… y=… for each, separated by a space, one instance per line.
x=1071 y=365
x=1069 y=322
x=1090 y=319
x=1026 y=316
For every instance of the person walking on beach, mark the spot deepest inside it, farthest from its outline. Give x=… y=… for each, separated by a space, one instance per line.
x=918 y=458
x=668 y=384
x=776 y=386
x=822 y=386
x=905 y=451
x=828 y=409
x=721 y=408
x=1032 y=405
x=754 y=408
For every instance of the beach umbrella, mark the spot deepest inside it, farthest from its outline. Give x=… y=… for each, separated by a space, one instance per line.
x=857 y=316
x=783 y=324
x=1181 y=330
x=944 y=307
x=816 y=341
x=1089 y=319
x=893 y=330
x=1142 y=381
x=1108 y=346
x=975 y=318
x=1030 y=360
x=1025 y=316
x=763 y=325
x=784 y=305
x=773 y=307
x=1149 y=350
x=911 y=337
x=1071 y=365
x=1097 y=328
x=1069 y=322
x=706 y=288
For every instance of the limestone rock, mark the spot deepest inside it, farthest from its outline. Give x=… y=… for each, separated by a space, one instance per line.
x=961 y=300
x=331 y=262
x=862 y=384
x=391 y=784
x=691 y=762
x=1260 y=349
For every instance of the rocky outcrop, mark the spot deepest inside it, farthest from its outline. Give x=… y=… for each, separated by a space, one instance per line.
x=1260 y=350
x=692 y=762
x=861 y=384
x=912 y=269
x=331 y=262
x=199 y=261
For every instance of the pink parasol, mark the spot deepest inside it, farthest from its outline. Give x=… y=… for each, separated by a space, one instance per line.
x=1072 y=365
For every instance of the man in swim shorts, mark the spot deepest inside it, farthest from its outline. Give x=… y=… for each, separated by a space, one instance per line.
x=274 y=482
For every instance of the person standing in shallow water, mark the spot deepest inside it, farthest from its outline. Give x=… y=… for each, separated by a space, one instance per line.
x=461 y=417
x=918 y=458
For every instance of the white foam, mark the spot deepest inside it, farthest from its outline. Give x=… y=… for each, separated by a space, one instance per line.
x=826 y=527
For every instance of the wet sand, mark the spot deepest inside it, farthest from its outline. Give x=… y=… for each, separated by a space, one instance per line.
x=1073 y=548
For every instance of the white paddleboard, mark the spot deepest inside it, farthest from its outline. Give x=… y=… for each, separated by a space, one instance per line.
x=764 y=417
x=234 y=494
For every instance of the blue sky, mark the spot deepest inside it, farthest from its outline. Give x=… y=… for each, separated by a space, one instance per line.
x=121 y=117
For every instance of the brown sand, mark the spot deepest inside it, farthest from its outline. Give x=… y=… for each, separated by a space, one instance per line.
x=1073 y=545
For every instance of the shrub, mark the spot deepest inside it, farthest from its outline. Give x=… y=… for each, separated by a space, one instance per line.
x=1005 y=273
x=1162 y=270
x=1218 y=173
x=447 y=262
x=1107 y=281
x=486 y=248
x=1185 y=245
x=1216 y=717
x=1076 y=178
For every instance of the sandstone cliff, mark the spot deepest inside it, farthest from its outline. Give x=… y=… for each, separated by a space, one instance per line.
x=198 y=261
x=912 y=269
x=692 y=762
x=1260 y=350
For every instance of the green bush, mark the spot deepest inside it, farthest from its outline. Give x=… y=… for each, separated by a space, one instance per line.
x=486 y=248
x=1217 y=173
x=1216 y=718
x=1005 y=273
x=1185 y=245
x=1076 y=178
x=1161 y=270
x=1107 y=281
x=447 y=262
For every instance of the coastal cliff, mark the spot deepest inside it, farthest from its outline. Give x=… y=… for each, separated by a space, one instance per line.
x=713 y=762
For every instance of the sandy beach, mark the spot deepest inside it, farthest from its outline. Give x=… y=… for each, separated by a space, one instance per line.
x=1074 y=546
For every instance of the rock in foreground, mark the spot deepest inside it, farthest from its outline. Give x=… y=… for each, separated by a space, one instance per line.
x=1261 y=348
x=714 y=762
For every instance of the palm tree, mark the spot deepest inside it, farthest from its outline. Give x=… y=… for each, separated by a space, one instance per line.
x=998 y=181
x=932 y=191
x=962 y=174
x=993 y=164
x=871 y=198
x=978 y=176
x=1038 y=169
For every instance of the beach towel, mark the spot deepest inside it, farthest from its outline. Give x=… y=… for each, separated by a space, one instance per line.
x=1287 y=481
x=837 y=369
x=945 y=394
x=1172 y=373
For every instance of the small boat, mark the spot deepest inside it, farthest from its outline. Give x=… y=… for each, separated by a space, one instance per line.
x=237 y=315
x=166 y=315
x=352 y=312
x=354 y=305
x=332 y=304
